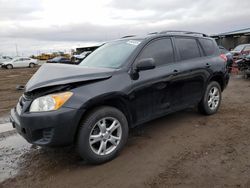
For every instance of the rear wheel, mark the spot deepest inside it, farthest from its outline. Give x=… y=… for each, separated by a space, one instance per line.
x=9 y=66
x=102 y=135
x=31 y=65
x=211 y=100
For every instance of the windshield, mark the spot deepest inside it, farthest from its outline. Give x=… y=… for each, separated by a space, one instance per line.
x=239 y=48
x=111 y=55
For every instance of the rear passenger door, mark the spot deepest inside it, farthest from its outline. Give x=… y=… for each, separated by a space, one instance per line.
x=26 y=62
x=156 y=90
x=191 y=70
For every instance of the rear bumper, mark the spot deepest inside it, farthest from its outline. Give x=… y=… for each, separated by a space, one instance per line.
x=47 y=128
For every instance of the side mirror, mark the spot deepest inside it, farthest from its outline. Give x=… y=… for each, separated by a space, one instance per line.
x=145 y=64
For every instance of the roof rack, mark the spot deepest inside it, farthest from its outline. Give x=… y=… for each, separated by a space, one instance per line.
x=183 y=32
x=153 y=33
x=128 y=36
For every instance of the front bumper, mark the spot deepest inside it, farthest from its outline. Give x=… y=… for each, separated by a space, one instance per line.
x=47 y=128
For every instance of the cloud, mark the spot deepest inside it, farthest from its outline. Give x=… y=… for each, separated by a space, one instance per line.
x=62 y=21
x=18 y=10
x=156 y=5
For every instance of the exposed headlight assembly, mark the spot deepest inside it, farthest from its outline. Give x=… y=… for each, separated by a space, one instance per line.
x=50 y=102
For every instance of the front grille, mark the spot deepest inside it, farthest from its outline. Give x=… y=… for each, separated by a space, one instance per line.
x=47 y=135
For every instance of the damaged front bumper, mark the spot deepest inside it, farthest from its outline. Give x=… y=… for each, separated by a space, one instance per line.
x=47 y=128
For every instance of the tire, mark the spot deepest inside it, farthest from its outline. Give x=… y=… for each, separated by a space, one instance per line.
x=31 y=65
x=9 y=66
x=91 y=127
x=211 y=100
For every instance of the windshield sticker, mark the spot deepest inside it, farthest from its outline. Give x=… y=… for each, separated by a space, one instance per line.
x=134 y=42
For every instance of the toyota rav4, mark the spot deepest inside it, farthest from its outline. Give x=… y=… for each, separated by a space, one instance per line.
x=120 y=85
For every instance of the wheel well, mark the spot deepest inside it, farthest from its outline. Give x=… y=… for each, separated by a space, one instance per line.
x=218 y=79
x=118 y=103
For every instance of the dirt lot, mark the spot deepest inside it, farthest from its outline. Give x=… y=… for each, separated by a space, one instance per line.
x=9 y=79
x=184 y=149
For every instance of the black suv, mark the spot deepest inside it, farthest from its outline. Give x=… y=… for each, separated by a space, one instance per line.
x=122 y=84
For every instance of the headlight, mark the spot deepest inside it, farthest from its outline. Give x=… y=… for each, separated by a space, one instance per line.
x=50 y=102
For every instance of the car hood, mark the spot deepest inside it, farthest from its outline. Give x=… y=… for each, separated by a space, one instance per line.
x=61 y=74
x=6 y=62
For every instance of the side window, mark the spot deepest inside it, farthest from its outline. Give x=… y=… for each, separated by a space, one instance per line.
x=188 y=48
x=161 y=50
x=208 y=46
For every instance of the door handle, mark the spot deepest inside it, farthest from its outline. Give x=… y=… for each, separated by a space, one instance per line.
x=207 y=65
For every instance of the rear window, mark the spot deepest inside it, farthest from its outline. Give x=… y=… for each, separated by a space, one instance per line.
x=208 y=46
x=188 y=48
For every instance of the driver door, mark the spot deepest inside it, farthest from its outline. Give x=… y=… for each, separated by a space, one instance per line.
x=155 y=90
x=18 y=62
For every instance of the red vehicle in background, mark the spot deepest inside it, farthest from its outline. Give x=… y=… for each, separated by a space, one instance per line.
x=240 y=50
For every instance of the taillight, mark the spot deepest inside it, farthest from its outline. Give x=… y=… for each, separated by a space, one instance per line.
x=224 y=57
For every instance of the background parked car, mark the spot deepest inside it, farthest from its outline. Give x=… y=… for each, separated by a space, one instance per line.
x=229 y=56
x=244 y=65
x=78 y=58
x=243 y=49
x=20 y=62
x=60 y=60
x=4 y=58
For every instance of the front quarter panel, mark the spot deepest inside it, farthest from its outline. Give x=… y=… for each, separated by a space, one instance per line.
x=95 y=92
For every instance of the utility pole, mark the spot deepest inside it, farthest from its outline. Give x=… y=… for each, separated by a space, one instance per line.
x=16 y=50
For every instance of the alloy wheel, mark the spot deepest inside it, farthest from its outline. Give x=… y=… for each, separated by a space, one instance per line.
x=105 y=136
x=213 y=98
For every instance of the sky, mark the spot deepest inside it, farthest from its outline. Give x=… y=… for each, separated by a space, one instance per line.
x=36 y=26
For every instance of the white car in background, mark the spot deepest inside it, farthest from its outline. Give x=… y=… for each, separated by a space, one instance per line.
x=4 y=58
x=20 y=62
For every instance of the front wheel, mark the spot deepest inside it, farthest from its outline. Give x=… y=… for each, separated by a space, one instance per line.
x=211 y=100
x=9 y=66
x=102 y=135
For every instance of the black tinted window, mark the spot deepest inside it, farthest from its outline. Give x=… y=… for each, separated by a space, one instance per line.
x=208 y=46
x=161 y=50
x=188 y=48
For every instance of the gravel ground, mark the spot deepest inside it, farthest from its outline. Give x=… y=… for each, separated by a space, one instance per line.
x=9 y=79
x=184 y=149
